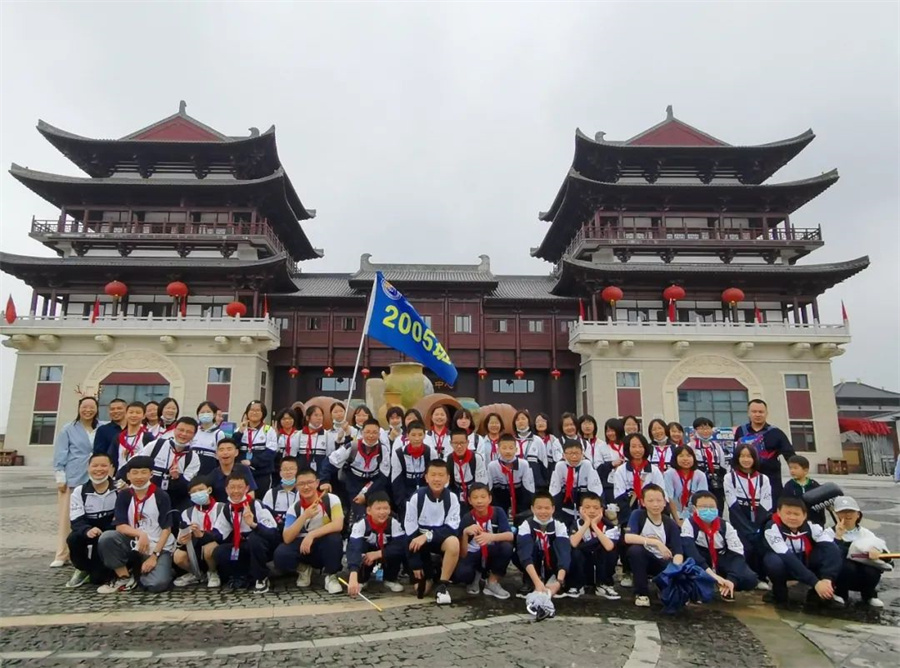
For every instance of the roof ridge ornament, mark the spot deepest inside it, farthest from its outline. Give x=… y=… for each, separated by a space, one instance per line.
x=364 y=263
x=182 y=107
x=600 y=136
x=254 y=132
x=485 y=265
x=670 y=113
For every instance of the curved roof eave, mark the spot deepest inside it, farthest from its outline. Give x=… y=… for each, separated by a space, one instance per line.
x=803 y=137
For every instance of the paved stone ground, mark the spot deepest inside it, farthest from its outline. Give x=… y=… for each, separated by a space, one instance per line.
x=250 y=630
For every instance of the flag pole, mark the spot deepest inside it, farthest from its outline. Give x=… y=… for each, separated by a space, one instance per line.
x=362 y=340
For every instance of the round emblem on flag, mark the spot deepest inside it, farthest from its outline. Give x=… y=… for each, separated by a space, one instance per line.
x=390 y=291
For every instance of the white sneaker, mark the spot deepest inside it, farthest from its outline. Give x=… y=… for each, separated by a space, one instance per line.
x=441 y=595
x=304 y=575
x=332 y=586
x=213 y=581
x=186 y=580
x=474 y=588
x=642 y=601
x=57 y=563
x=608 y=592
x=496 y=590
x=762 y=585
x=117 y=585
x=626 y=581
x=876 y=603
x=395 y=587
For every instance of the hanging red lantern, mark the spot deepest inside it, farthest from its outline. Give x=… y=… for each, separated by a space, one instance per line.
x=329 y=372
x=519 y=374
x=293 y=372
x=482 y=374
x=177 y=289
x=364 y=372
x=116 y=289
x=555 y=374
x=612 y=294
x=236 y=310
x=732 y=296
x=673 y=293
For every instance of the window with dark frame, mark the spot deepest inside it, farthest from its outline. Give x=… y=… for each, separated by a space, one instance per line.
x=462 y=324
x=803 y=435
x=312 y=323
x=43 y=429
x=50 y=374
x=349 y=324
x=512 y=386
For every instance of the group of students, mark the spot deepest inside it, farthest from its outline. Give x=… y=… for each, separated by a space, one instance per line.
x=446 y=505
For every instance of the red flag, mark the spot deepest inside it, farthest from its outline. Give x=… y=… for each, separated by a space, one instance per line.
x=95 y=312
x=844 y=313
x=265 y=305
x=671 y=310
x=10 y=311
x=581 y=310
x=757 y=314
x=184 y=306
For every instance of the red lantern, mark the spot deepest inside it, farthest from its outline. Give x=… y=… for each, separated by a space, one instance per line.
x=329 y=372
x=519 y=374
x=236 y=310
x=673 y=293
x=612 y=294
x=555 y=374
x=482 y=374
x=293 y=372
x=364 y=372
x=732 y=296
x=116 y=289
x=177 y=289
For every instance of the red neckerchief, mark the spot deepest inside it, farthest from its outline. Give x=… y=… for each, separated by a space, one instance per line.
x=378 y=530
x=802 y=536
x=237 y=510
x=508 y=471
x=494 y=445
x=592 y=441
x=545 y=439
x=287 y=439
x=251 y=436
x=570 y=483
x=661 y=460
x=165 y=430
x=304 y=505
x=309 y=442
x=139 y=504
x=751 y=489
x=618 y=448
x=207 y=515
x=686 y=477
x=438 y=437
x=483 y=524
x=367 y=458
x=130 y=447
x=708 y=454
x=415 y=453
x=178 y=456
x=636 y=470
x=710 y=530
x=461 y=467
x=521 y=444
x=544 y=540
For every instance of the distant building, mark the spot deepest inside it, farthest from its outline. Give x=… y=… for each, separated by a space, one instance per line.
x=868 y=418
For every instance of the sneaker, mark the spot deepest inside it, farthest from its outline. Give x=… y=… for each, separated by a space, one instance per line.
x=838 y=600
x=78 y=578
x=876 y=603
x=261 y=586
x=117 y=585
x=608 y=592
x=626 y=581
x=304 y=575
x=474 y=588
x=57 y=563
x=762 y=585
x=642 y=601
x=237 y=584
x=213 y=581
x=186 y=580
x=332 y=586
x=393 y=586
x=496 y=590
x=441 y=595
x=524 y=590
x=575 y=592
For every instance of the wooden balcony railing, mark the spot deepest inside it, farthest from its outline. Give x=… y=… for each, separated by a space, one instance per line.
x=138 y=231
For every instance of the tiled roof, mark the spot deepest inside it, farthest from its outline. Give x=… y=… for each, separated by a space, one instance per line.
x=856 y=390
x=526 y=287
x=325 y=285
x=425 y=273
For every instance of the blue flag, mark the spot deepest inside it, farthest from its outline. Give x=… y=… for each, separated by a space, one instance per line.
x=394 y=322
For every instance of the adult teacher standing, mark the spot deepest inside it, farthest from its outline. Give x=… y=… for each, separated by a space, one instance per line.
x=770 y=442
x=71 y=452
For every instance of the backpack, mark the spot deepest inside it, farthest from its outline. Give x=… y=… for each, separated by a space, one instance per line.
x=402 y=458
x=353 y=455
x=325 y=501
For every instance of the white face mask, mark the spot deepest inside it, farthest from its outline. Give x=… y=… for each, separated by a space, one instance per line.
x=99 y=481
x=142 y=487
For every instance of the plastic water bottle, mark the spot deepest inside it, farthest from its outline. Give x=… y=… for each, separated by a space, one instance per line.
x=378 y=574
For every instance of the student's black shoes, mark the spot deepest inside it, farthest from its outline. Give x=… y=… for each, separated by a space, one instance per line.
x=261 y=586
x=441 y=595
x=237 y=584
x=524 y=590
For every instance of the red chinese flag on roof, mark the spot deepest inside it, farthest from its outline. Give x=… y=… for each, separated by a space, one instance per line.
x=95 y=312
x=581 y=310
x=844 y=313
x=11 y=314
x=757 y=315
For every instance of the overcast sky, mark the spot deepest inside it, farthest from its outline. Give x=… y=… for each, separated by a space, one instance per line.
x=435 y=132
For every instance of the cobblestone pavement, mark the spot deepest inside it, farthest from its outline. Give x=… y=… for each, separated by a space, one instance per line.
x=211 y=628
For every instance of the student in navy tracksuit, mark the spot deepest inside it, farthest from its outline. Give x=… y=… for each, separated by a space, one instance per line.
x=259 y=445
x=510 y=478
x=487 y=544
x=378 y=538
x=366 y=464
x=543 y=548
x=594 y=553
x=653 y=541
x=770 y=442
x=91 y=511
x=572 y=477
x=174 y=463
x=408 y=464
x=466 y=465
x=748 y=496
x=313 y=444
x=716 y=547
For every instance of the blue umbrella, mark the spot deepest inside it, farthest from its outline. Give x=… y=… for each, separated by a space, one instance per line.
x=680 y=583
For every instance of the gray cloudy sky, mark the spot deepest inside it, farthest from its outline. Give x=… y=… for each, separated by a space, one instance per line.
x=435 y=132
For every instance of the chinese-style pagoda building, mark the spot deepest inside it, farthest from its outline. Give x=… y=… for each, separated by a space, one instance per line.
x=176 y=228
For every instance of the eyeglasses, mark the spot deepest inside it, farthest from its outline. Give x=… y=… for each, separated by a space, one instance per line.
x=307 y=483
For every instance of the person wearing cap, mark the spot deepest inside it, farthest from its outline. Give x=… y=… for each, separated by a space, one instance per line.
x=861 y=549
